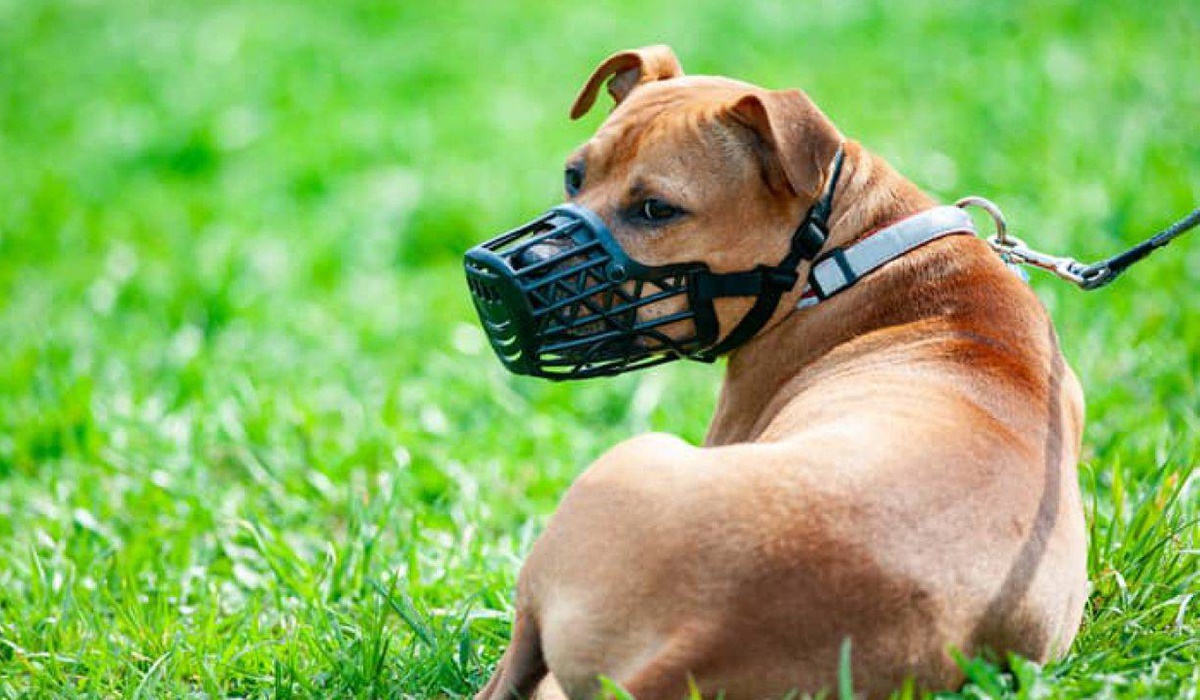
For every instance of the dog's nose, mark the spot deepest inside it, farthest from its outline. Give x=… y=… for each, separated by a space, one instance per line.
x=534 y=254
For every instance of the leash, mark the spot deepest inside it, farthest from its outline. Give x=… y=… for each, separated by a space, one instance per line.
x=1016 y=252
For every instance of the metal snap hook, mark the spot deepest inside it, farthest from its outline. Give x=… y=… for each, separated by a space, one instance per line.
x=1015 y=252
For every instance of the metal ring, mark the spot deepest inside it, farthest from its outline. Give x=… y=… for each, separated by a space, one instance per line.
x=1007 y=242
x=993 y=210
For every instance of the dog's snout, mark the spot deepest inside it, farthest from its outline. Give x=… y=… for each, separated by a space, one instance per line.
x=533 y=255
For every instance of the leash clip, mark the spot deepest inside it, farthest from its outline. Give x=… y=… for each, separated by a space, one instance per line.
x=1015 y=252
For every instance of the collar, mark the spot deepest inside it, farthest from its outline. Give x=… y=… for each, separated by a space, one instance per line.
x=840 y=268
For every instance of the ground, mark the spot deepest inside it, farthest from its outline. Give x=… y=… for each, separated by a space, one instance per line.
x=251 y=440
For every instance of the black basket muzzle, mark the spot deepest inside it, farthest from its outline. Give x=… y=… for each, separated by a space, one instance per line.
x=559 y=298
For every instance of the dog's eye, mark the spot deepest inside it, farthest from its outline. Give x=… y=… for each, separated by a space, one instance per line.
x=573 y=177
x=658 y=211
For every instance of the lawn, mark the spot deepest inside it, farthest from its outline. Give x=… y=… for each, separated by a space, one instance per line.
x=252 y=443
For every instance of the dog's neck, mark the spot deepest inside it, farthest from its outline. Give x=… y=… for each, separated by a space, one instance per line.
x=869 y=195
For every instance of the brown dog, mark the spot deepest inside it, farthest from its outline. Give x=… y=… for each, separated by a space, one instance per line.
x=894 y=466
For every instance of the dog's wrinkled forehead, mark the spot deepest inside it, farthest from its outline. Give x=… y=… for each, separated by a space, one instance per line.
x=684 y=116
x=698 y=94
x=794 y=140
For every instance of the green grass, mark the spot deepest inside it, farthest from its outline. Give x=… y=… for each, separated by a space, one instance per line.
x=251 y=441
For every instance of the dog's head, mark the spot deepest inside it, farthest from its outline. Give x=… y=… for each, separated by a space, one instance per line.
x=697 y=168
x=681 y=208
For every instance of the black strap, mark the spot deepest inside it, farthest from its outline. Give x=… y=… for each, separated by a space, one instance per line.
x=1105 y=271
x=743 y=284
x=810 y=235
x=769 y=283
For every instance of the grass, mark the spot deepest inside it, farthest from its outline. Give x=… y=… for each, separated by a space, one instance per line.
x=251 y=441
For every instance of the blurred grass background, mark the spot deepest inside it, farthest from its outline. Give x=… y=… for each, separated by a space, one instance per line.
x=251 y=441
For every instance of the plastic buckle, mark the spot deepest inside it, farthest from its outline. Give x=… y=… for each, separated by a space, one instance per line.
x=779 y=278
x=809 y=239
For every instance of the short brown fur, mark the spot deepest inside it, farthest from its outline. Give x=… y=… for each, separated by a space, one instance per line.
x=895 y=466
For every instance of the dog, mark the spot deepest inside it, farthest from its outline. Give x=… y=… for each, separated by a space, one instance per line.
x=893 y=468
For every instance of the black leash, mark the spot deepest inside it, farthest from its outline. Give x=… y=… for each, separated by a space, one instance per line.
x=1099 y=274
x=1014 y=251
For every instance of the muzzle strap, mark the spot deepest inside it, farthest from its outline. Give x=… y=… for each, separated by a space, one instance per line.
x=768 y=283
x=744 y=284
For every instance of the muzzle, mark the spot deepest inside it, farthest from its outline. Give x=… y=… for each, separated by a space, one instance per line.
x=559 y=298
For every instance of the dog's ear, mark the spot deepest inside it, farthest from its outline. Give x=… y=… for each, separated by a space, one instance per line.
x=627 y=69
x=798 y=139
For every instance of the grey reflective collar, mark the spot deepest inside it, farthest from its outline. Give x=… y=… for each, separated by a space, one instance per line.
x=840 y=268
